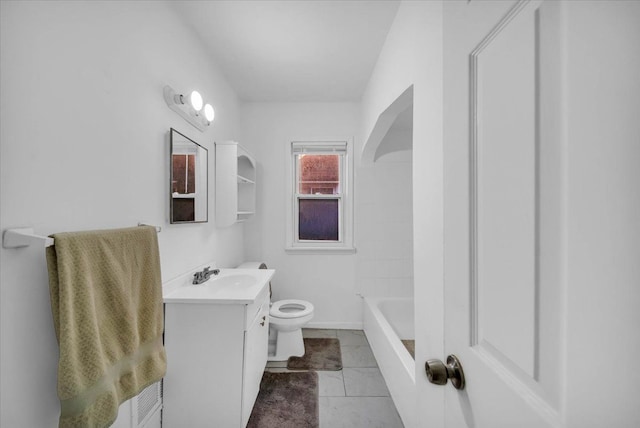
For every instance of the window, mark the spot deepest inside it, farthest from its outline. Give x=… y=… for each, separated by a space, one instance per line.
x=320 y=214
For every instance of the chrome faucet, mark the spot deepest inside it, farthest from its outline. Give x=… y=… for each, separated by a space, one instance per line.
x=200 y=277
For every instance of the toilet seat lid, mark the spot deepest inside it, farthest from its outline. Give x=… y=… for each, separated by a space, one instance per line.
x=290 y=308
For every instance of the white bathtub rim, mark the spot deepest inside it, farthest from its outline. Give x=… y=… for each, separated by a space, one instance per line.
x=408 y=363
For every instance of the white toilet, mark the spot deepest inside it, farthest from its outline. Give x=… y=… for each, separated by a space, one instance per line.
x=286 y=319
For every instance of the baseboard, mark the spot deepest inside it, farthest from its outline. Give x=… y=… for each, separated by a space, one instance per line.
x=336 y=325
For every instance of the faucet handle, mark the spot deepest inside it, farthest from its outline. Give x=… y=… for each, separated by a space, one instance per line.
x=200 y=277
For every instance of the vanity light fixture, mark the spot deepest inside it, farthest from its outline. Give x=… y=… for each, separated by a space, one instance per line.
x=190 y=107
x=196 y=100
x=209 y=114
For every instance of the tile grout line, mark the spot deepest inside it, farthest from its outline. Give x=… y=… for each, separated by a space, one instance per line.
x=359 y=398
x=344 y=384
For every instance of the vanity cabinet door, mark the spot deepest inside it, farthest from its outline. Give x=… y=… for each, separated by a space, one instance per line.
x=256 y=344
x=205 y=352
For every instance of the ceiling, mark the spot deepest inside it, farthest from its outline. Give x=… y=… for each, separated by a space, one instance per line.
x=302 y=50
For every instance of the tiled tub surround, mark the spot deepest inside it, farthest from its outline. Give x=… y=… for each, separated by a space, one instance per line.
x=356 y=396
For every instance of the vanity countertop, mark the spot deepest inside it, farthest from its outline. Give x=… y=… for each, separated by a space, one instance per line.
x=230 y=286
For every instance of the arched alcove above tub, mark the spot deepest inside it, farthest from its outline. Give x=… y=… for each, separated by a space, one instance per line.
x=385 y=204
x=393 y=129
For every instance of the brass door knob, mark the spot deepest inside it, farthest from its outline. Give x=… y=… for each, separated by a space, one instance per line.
x=438 y=373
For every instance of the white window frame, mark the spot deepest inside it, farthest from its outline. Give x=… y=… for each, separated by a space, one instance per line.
x=345 y=214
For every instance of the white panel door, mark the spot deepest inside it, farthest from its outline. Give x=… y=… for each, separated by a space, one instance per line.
x=500 y=215
x=541 y=213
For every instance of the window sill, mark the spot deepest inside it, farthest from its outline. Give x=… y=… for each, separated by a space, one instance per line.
x=320 y=250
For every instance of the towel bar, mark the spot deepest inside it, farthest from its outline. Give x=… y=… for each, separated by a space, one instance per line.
x=158 y=228
x=24 y=237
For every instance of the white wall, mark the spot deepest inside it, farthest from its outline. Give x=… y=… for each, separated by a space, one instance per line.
x=83 y=146
x=412 y=55
x=326 y=280
x=602 y=212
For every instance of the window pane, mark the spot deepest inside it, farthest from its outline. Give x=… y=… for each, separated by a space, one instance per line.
x=184 y=174
x=318 y=219
x=191 y=174
x=318 y=174
x=184 y=209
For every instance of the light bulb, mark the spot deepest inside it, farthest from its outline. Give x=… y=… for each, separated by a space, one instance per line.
x=196 y=100
x=209 y=114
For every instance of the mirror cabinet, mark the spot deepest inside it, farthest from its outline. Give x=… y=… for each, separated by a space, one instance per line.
x=188 y=181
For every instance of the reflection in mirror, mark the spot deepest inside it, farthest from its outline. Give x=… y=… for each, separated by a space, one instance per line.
x=189 y=179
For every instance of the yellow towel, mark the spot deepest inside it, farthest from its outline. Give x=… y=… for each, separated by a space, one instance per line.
x=106 y=300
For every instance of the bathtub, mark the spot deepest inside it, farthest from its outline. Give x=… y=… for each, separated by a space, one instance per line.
x=387 y=320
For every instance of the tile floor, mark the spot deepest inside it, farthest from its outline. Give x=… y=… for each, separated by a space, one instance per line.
x=356 y=396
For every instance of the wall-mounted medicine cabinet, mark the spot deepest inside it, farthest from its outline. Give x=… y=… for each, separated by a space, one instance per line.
x=188 y=194
x=235 y=184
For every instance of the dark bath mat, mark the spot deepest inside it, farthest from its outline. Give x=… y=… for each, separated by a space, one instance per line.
x=319 y=354
x=286 y=400
x=411 y=347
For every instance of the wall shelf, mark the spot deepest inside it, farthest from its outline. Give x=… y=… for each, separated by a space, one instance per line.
x=245 y=180
x=235 y=184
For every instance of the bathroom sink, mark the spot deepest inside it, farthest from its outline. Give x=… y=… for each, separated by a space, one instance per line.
x=233 y=280
x=229 y=286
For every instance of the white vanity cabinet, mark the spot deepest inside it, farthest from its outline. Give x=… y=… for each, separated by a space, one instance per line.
x=235 y=184
x=216 y=354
